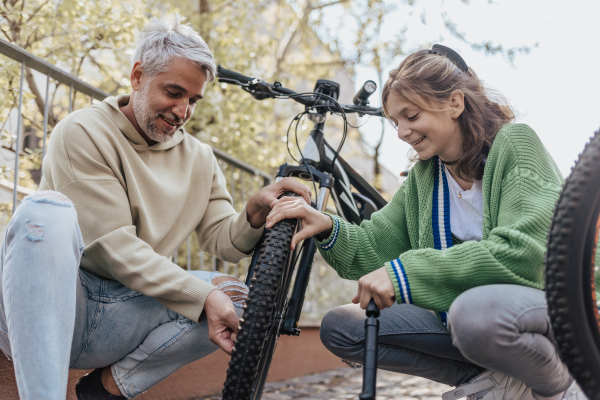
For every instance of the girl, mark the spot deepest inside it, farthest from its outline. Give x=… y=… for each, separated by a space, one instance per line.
x=455 y=260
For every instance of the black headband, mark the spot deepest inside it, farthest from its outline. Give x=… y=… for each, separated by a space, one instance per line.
x=451 y=55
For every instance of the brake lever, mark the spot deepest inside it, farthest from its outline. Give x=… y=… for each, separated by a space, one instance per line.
x=233 y=82
x=362 y=111
x=261 y=90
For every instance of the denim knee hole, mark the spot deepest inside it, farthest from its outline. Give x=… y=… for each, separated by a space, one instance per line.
x=35 y=232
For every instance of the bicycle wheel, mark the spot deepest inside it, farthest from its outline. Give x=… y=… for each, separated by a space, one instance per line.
x=265 y=306
x=571 y=266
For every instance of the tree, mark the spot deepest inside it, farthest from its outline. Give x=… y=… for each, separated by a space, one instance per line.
x=291 y=41
x=368 y=46
x=377 y=52
x=266 y=39
x=86 y=39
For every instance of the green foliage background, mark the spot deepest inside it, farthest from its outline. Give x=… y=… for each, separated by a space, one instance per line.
x=94 y=40
x=284 y=40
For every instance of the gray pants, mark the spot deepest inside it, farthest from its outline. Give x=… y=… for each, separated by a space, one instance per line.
x=504 y=328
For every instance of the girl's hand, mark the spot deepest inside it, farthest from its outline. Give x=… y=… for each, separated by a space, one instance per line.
x=259 y=205
x=376 y=285
x=313 y=221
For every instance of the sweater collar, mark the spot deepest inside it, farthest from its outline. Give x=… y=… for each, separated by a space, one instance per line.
x=111 y=105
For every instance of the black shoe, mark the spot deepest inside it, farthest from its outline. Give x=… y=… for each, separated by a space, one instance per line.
x=89 y=387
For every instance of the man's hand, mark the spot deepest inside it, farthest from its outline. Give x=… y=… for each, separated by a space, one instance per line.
x=260 y=204
x=222 y=320
x=376 y=285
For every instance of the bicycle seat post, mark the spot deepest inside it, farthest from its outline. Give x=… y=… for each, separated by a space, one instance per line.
x=370 y=360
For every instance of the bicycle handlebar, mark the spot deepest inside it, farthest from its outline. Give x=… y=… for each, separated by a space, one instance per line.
x=261 y=90
x=227 y=75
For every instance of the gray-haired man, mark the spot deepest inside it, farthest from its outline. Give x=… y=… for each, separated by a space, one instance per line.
x=86 y=282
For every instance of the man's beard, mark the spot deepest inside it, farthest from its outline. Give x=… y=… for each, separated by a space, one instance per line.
x=146 y=118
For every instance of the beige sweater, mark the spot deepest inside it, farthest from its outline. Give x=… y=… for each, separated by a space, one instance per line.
x=137 y=203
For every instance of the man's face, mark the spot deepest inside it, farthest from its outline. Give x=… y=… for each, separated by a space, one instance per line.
x=164 y=103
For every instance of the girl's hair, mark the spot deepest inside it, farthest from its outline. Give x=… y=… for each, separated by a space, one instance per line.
x=427 y=80
x=160 y=43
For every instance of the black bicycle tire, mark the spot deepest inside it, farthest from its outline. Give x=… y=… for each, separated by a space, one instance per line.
x=266 y=358
x=259 y=311
x=272 y=338
x=570 y=270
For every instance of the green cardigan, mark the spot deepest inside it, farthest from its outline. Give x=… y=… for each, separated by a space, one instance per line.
x=521 y=184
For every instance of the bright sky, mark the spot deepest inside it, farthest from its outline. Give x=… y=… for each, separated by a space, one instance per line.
x=555 y=88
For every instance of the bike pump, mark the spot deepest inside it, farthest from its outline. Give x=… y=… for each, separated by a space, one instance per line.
x=370 y=361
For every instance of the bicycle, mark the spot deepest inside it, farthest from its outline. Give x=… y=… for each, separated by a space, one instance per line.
x=271 y=308
x=572 y=265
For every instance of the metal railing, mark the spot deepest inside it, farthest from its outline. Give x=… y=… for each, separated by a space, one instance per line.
x=242 y=178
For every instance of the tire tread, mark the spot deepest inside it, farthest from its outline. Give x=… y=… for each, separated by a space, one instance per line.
x=259 y=310
x=564 y=305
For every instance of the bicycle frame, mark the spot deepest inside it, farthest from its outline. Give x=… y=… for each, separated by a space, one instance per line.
x=319 y=164
x=336 y=177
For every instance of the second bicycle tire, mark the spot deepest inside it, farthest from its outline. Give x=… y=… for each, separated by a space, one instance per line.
x=259 y=320
x=570 y=271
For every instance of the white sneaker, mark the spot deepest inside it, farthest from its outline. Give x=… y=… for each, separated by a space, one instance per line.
x=574 y=392
x=491 y=385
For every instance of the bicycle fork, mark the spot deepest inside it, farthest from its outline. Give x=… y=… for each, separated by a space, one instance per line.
x=296 y=300
x=292 y=316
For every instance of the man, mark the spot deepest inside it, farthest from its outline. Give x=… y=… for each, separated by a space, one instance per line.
x=86 y=278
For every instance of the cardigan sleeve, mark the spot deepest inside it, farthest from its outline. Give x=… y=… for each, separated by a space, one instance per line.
x=519 y=211
x=354 y=251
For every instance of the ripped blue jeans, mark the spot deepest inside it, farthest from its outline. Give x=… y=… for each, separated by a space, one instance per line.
x=55 y=316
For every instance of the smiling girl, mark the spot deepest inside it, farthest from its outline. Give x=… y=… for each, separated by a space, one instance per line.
x=455 y=260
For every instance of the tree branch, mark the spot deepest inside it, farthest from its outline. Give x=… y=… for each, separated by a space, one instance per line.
x=38 y=96
x=13 y=28
x=224 y=6
x=486 y=46
x=332 y=3
x=37 y=10
x=7 y=115
x=52 y=101
x=334 y=62
x=285 y=44
x=101 y=67
x=21 y=14
x=6 y=34
x=78 y=69
x=32 y=122
x=204 y=7
x=30 y=41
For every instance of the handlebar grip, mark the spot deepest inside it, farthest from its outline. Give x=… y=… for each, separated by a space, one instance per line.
x=232 y=75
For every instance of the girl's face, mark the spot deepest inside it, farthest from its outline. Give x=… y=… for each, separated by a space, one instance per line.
x=430 y=133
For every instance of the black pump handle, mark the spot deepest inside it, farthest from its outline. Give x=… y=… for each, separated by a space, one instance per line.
x=370 y=361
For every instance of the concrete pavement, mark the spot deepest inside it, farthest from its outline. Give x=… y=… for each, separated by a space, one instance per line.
x=346 y=383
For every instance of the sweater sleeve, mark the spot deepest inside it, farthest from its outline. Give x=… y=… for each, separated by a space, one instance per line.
x=354 y=251
x=222 y=231
x=519 y=211
x=79 y=170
